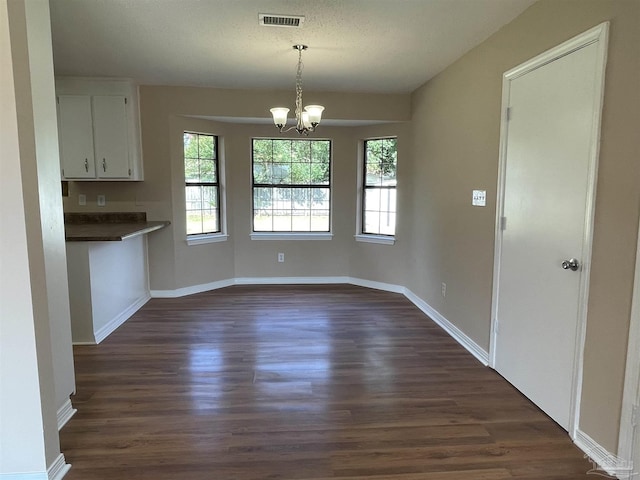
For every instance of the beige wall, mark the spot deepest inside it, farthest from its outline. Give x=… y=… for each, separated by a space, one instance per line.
x=32 y=359
x=449 y=148
x=166 y=112
x=456 y=123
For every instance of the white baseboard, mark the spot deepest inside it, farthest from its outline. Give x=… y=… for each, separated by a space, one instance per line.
x=462 y=338
x=24 y=476
x=56 y=471
x=387 y=287
x=604 y=462
x=65 y=412
x=181 y=292
x=110 y=327
x=58 y=468
x=289 y=280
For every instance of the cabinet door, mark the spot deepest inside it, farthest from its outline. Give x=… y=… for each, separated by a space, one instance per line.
x=110 y=137
x=76 y=136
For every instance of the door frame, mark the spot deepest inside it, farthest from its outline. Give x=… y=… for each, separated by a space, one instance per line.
x=598 y=35
x=631 y=395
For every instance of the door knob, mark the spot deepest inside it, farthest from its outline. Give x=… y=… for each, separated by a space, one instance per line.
x=571 y=264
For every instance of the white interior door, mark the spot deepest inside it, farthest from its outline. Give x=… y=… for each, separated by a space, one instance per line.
x=548 y=176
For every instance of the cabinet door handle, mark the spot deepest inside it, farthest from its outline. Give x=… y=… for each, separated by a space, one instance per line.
x=86 y=165
x=104 y=165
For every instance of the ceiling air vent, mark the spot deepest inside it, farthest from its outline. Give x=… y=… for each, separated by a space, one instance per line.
x=272 y=20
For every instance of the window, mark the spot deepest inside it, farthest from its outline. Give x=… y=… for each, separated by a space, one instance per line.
x=379 y=187
x=202 y=189
x=291 y=185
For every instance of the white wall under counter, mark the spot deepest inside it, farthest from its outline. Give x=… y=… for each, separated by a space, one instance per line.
x=108 y=283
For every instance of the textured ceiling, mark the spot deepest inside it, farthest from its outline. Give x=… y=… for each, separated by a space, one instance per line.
x=383 y=46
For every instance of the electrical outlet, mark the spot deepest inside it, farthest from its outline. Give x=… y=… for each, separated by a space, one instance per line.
x=281 y=258
x=444 y=289
x=102 y=201
x=82 y=199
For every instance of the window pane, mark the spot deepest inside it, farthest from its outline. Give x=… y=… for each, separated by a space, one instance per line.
x=301 y=221
x=282 y=198
x=320 y=151
x=191 y=170
x=193 y=197
x=301 y=151
x=388 y=161
x=282 y=221
x=209 y=221
x=320 y=173
x=209 y=197
x=262 y=199
x=194 y=222
x=373 y=173
x=320 y=198
x=301 y=173
x=190 y=145
x=205 y=146
x=301 y=198
x=320 y=220
x=387 y=223
x=388 y=200
x=281 y=151
x=207 y=171
x=262 y=172
x=372 y=222
x=372 y=199
x=281 y=173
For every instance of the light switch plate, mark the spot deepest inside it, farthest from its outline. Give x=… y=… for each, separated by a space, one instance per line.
x=102 y=201
x=479 y=198
x=82 y=199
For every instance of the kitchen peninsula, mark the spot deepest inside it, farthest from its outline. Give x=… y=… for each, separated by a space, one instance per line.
x=108 y=270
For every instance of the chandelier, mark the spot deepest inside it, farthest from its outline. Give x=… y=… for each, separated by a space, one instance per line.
x=307 y=120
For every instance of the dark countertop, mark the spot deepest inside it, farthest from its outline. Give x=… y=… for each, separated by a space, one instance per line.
x=108 y=227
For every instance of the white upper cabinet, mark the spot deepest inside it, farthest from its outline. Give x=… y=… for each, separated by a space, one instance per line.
x=110 y=136
x=99 y=131
x=76 y=136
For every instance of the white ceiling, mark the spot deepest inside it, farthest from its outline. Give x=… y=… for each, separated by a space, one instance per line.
x=382 y=46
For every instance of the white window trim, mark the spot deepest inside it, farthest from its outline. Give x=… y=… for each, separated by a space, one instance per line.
x=291 y=236
x=221 y=236
x=379 y=239
x=297 y=235
x=360 y=236
x=206 y=238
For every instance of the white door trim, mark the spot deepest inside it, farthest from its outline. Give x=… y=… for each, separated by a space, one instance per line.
x=599 y=35
x=632 y=373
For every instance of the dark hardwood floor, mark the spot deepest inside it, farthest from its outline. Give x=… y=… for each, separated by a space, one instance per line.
x=300 y=382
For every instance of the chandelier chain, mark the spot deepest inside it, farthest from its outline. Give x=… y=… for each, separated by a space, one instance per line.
x=299 y=90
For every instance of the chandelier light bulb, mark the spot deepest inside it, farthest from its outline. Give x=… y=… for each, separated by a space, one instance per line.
x=315 y=113
x=279 y=116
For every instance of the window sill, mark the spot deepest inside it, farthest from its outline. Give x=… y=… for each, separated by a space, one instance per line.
x=379 y=239
x=202 y=239
x=290 y=236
